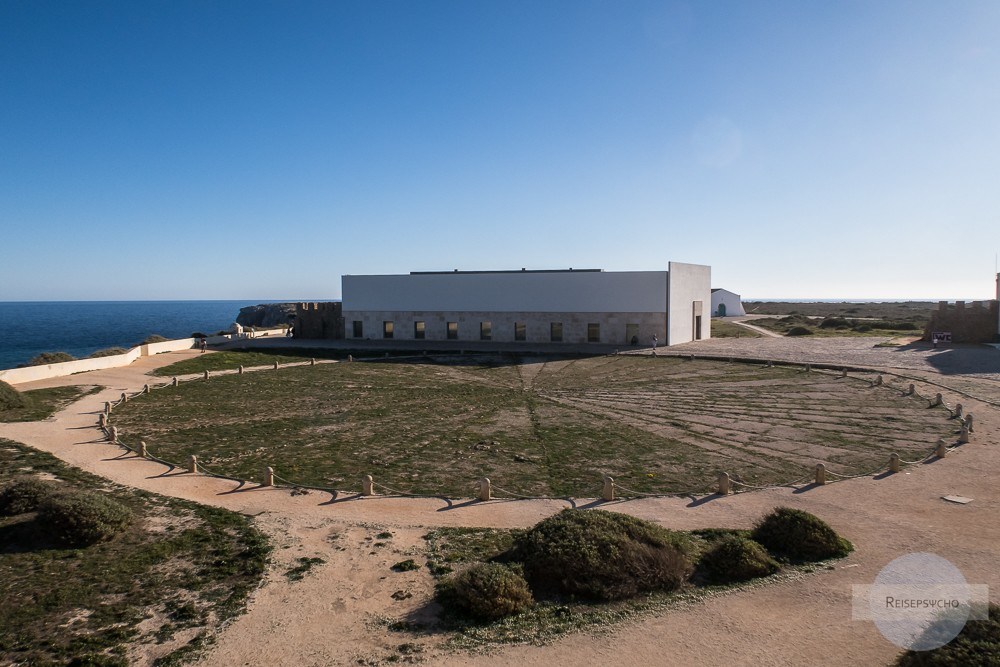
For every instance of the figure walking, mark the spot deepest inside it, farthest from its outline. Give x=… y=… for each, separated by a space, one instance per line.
x=204 y=345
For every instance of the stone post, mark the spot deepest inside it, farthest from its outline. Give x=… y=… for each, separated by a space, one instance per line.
x=107 y=407
x=937 y=400
x=207 y=375
x=143 y=452
x=942 y=449
x=350 y=357
x=113 y=435
x=240 y=370
x=268 y=476
x=608 y=493
x=484 y=489
x=963 y=435
x=808 y=368
x=102 y=420
x=276 y=365
x=312 y=362
x=894 y=462
x=173 y=382
x=968 y=422
x=723 y=484
x=124 y=397
x=145 y=388
x=367 y=486
x=843 y=372
x=193 y=464
x=820 y=474
x=959 y=410
x=878 y=380
x=911 y=390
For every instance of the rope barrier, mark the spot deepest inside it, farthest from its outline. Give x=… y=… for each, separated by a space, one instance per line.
x=403 y=493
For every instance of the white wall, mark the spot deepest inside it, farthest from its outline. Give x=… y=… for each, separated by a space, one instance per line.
x=731 y=300
x=690 y=285
x=565 y=291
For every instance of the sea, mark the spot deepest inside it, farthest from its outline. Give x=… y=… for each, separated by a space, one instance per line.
x=80 y=328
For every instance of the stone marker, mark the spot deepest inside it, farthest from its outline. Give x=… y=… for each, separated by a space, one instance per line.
x=107 y=407
x=193 y=463
x=268 y=476
x=724 y=484
x=937 y=400
x=113 y=435
x=894 y=462
x=843 y=372
x=145 y=388
x=958 y=411
x=820 y=474
x=367 y=486
x=312 y=362
x=102 y=420
x=878 y=380
x=124 y=397
x=942 y=449
x=911 y=390
x=240 y=370
x=484 y=489
x=608 y=492
x=143 y=452
x=173 y=382
x=276 y=365
x=207 y=375
x=963 y=435
x=968 y=422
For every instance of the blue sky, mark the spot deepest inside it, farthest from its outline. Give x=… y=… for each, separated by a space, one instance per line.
x=259 y=150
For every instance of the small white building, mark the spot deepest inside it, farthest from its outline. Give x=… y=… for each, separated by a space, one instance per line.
x=726 y=303
x=557 y=306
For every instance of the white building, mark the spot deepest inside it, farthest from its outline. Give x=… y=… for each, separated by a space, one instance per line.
x=726 y=304
x=559 y=306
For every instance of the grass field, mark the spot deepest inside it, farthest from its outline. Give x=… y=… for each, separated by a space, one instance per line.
x=43 y=403
x=172 y=578
x=534 y=426
x=723 y=329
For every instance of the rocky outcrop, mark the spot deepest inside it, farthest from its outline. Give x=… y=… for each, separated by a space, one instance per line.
x=266 y=315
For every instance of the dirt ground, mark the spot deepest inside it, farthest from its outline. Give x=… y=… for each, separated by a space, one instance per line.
x=339 y=613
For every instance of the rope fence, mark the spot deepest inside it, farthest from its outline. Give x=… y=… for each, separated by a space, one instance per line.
x=726 y=484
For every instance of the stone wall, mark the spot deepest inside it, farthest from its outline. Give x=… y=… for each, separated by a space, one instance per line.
x=968 y=323
x=319 y=320
x=614 y=328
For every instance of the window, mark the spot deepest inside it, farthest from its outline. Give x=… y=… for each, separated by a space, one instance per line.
x=452 y=330
x=359 y=331
x=485 y=331
x=387 y=328
x=594 y=332
x=519 y=332
x=418 y=330
x=555 y=332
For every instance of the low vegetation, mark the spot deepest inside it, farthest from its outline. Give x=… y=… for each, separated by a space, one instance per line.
x=37 y=404
x=799 y=536
x=977 y=645
x=834 y=325
x=46 y=358
x=535 y=426
x=153 y=338
x=580 y=569
x=723 y=329
x=92 y=569
x=228 y=360
x=108 y=352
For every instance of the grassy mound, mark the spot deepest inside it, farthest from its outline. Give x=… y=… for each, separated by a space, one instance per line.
x=81 y=518
x=602 y=556
x=977 y=644
x=486 y=591
x=46 y=358
x=735 y=558
x=799 y=331
x=108 y=352
x=152 y=338
x=10 y=398
x=24 y=494
x=799 y=536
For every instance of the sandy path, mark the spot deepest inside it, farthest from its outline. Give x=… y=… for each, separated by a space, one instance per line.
x=337 y=614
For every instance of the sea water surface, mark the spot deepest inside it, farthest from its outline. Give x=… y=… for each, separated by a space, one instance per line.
x=28 y=328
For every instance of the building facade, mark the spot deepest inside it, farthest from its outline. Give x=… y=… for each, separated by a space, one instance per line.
x=552 y=306
x=726 y=303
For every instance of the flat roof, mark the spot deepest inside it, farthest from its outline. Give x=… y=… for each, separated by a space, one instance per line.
x=435 y=273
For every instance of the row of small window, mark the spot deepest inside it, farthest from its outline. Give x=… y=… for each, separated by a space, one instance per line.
x=485 y=331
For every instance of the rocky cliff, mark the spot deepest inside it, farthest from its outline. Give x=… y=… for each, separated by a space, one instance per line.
x=266 y=315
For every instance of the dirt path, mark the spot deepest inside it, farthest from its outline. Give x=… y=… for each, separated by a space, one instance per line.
x=754 y=327
x=339 y=613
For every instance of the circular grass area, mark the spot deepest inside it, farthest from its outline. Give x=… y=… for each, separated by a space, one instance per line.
x=534 y=426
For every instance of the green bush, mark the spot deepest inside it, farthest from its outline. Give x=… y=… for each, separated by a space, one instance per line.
x=834 y=323
x=977 y=644
x=735 y=558
x=81 y=518
x=486 y=591
x=46 y=358
x=24 y=494
x=799 y=331
x=601 y=555
x=152 y=338
x=108 y=352
x=863 y=328
x=10 y=398
x=799 y=536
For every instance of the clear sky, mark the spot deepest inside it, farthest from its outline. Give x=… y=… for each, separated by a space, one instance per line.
x=210 y=149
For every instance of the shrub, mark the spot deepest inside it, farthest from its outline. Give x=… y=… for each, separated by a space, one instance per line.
x=197 y=334
x=46 y=358
x=977 y=644
x=799 y=331
x=108 y=352
x=735 y=558
x=10 y=398
x=152 y=338
x=24 y=494
x=81 y=518
x=834 y=323
x=486 y=591
x=601 y=555
x=863 y=328
x=799 y=536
